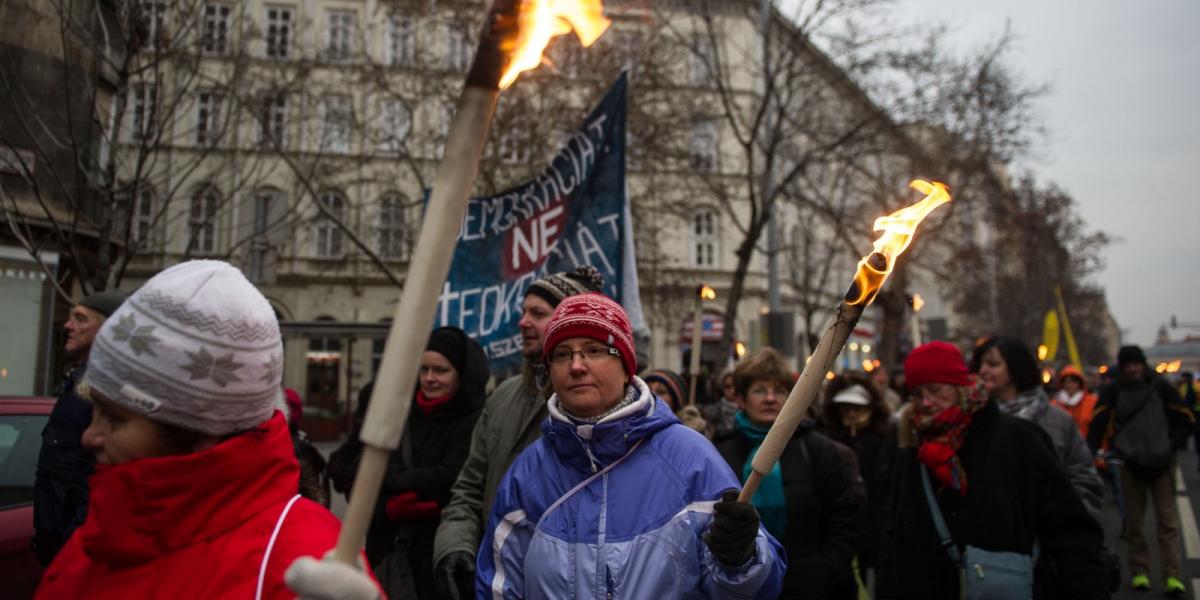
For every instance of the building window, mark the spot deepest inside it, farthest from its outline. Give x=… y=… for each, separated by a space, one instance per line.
x=335 y=123
x=272 y=124
x=143 y=106
x=214 y=35
x=390 y=235
x=279 y=32
x=259 y=242
x=339 y=35
x=401 y=41
x=143 y=219
x=703 y=147
x=397 y=123
x=154 y=15
x=327 y=234
x=705 y=228
x=458 y=49
x=323 y=359
x=208 y=118
x=702 y=59
x=202 y=221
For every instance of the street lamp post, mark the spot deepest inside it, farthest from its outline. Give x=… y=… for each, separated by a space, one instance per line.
x=702 y=293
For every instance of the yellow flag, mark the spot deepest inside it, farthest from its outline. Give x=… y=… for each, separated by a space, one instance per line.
x=1071 y=348
x=1050 y=335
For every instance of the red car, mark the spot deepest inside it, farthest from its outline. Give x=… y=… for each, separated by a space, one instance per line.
x=21 y=423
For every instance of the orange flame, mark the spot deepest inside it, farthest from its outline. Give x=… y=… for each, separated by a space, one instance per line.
x=541 y=20
x=898 y=229
x=706 y=293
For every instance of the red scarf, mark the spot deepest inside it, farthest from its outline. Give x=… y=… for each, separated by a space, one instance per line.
x=942 y=434
x=428 y=405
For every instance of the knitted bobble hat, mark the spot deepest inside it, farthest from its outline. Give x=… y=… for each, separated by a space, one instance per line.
x=197 y=347
x=554 y=288
x=594 y=316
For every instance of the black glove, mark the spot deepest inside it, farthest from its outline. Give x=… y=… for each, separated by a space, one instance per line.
x=494 y=52
x=454 y=576
x=734 y=526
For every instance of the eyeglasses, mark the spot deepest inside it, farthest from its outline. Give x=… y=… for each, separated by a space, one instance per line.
x=930 y=390
x=592 y=354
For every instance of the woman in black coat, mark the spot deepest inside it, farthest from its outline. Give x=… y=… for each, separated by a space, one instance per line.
x=812 y=500
x=855 y=414
x=998 y=485
x=449 y=397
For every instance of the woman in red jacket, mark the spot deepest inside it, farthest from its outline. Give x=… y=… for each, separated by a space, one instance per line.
x=194 y=494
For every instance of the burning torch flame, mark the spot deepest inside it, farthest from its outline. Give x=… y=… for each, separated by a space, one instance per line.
x=541 y=20
x=898 y=229
x=707 y=293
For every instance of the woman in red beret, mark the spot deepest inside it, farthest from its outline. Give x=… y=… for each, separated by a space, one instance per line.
x=982 y=500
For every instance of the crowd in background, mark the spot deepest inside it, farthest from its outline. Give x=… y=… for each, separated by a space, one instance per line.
x=589 y=474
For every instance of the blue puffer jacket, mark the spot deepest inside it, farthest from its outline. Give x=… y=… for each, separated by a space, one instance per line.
x=617 y=510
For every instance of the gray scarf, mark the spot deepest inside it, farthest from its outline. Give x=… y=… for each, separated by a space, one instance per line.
x=631 y=396
x=1027 y=405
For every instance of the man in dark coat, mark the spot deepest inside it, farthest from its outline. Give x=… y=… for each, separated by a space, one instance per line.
x=1144 y=422
x=998 y=485
x=60 y=491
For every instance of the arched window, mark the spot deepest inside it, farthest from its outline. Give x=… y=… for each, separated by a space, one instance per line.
x=327 y=234
x=706 y=229
x=202 y=220
x=143 y=217
x=389 y=235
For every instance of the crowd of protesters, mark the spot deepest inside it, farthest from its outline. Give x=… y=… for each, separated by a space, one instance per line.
x=173 y=464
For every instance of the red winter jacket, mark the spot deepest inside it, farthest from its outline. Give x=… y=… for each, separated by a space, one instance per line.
x=193 y=526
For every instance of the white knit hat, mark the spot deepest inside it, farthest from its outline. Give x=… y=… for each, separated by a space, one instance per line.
x=197 y=347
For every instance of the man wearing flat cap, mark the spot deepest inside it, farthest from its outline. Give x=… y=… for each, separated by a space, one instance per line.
x=60 y=492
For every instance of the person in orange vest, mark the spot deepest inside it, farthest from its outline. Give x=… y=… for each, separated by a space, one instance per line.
x=1075 y=398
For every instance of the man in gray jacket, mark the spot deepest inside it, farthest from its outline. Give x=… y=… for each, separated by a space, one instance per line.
x=509 y=423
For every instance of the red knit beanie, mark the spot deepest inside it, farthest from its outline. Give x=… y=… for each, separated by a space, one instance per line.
x=594 y=316
x=935 y=362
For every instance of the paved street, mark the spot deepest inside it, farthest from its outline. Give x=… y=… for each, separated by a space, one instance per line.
x=1187 y=486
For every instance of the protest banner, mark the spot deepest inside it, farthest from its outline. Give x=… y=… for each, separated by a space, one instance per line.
x=575 y=212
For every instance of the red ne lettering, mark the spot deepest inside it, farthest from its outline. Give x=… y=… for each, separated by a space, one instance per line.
x=531 y=240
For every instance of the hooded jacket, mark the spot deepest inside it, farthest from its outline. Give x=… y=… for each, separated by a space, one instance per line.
x=195 y=525
x=1081 y=410
x=617 y=509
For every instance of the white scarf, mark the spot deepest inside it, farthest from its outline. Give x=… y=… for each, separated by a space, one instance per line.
x=1069 y=399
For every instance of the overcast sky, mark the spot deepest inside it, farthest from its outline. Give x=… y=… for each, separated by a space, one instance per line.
x=1124 y=119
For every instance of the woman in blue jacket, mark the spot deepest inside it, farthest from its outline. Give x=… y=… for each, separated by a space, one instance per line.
x=618 y=499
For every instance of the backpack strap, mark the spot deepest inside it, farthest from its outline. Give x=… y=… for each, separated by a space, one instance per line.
x=938 y=522
x=262 y=569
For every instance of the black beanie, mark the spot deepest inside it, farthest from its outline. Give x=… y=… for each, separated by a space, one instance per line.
x=450 y=342
x=555 y=288
x=1130 y=354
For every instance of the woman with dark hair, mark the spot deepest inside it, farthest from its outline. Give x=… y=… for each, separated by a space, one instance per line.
x=1010 y=374
x=449 y=396
x=855 y=414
